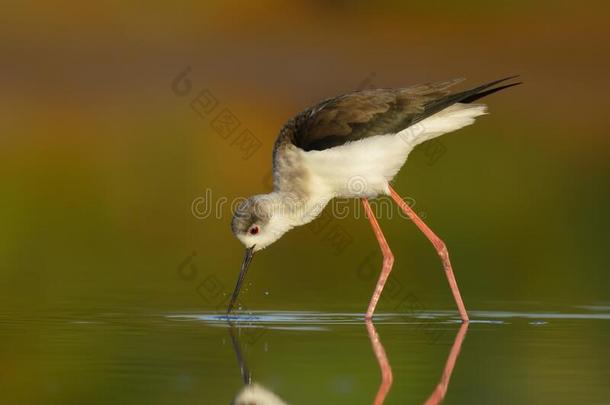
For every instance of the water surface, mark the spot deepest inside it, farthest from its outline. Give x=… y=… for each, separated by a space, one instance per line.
x=189 y=357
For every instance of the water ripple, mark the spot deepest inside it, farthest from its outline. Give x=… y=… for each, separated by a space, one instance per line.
x=325 y=318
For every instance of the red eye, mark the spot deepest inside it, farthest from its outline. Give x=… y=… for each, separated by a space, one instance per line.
x=254 y=230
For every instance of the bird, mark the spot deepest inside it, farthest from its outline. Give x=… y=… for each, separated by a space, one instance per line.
x=352 y=146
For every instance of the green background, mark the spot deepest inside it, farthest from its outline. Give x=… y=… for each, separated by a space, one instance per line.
x=100 y=161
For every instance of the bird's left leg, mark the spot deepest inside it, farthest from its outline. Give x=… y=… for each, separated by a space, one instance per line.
x=440 y=247
x=388 y=258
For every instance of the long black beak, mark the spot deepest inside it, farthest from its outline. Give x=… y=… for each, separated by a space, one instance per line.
x=242 y=276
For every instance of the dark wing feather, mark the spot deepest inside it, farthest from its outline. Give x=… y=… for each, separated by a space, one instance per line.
x=361 y=114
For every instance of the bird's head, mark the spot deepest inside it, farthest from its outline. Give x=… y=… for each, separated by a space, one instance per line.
x=257 y=223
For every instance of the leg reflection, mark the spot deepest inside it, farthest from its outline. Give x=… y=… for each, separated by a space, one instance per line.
x=384 y=364
x=441 y=389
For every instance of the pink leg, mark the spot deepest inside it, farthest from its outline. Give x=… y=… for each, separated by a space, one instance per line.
x=441 y=389
x=388 y=259
x=384 y=364
x=441 y=249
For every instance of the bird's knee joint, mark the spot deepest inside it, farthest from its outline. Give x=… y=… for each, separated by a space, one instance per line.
x=442 y=250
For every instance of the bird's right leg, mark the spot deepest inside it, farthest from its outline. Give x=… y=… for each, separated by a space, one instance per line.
x=441 y=250
x=388 y=258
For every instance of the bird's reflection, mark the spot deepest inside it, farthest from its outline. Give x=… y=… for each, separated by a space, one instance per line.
x=441 y=389
x=256 y=394
x=386 y=370
x=384 y=364
x=251 y=393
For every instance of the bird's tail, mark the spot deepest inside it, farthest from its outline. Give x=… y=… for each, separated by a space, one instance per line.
x=452 y=112
x=450 y=119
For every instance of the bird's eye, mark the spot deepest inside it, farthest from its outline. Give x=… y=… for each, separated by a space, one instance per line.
x=254 y=230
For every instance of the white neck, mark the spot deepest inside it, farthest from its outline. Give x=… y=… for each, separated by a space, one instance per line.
x=294 y=210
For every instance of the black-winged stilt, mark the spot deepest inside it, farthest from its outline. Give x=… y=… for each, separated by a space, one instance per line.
x=352 y=146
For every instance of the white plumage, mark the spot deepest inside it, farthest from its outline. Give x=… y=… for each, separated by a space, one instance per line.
x=363 y=168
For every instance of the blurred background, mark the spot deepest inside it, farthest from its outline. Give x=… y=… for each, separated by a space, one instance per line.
x=103 y=153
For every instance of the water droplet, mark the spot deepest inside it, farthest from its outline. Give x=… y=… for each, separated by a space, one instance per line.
x=266 y=292
x=538 y=323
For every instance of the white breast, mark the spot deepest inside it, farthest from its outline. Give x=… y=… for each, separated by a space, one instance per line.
x=364 y=168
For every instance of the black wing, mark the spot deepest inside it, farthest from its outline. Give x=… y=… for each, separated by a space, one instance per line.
x=367 y=113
